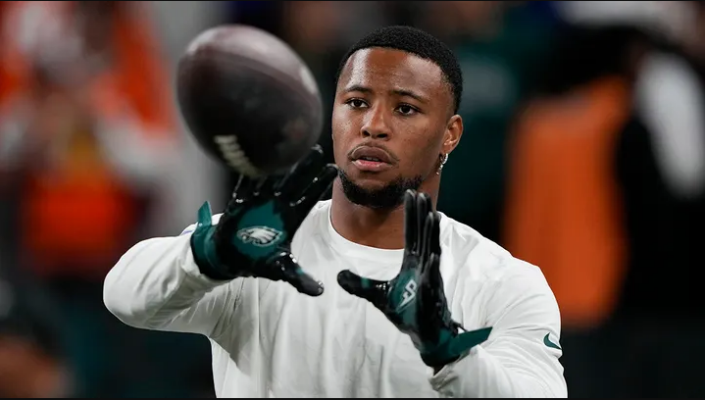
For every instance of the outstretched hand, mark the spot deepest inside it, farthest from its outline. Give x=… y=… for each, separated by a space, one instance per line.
x=414 y=301
x=253 y=237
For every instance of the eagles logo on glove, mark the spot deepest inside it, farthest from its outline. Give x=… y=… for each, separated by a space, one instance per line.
x=254 y=234
x=415 y=300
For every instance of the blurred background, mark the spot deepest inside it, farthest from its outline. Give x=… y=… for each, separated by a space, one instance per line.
x=583 y=153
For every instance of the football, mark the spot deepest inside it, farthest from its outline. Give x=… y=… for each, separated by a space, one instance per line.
x=248 y=99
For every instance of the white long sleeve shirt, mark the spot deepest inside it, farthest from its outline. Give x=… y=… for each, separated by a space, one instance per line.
x=268 y=340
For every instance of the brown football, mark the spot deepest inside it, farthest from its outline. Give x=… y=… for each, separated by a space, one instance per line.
x=248 y=99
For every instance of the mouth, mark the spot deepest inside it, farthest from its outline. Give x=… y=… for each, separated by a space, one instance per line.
x=371 y=159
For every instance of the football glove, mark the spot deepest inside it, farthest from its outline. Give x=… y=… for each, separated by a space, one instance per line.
x=414 y=301
x=253 y=237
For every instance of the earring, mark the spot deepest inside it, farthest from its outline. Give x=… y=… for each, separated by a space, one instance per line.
x=444 y=160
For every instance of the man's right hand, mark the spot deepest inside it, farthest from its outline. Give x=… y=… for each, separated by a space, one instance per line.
x=253 y=237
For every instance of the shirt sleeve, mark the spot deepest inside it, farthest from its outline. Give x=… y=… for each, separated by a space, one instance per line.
x=157 y=285
x=521 y=356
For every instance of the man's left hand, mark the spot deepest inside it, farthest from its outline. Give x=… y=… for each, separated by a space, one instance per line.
x=414 y=301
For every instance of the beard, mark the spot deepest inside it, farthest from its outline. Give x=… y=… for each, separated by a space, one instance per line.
x=386 y=198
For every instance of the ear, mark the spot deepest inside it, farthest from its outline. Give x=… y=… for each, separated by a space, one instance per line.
x=454 y=130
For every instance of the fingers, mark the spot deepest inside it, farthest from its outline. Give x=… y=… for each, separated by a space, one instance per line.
x=264 y=186
x=421 y=224
x=432 y=273
x=411 y=227
x=427 y=238
x=313 y=193
x=302 y=174
x=431 y=251
x=369 y=289
x=285 y=268
x=244 y=188
x=432 y=236
x=423 y=206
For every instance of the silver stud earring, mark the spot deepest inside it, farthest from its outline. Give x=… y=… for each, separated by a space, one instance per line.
x=444 y=160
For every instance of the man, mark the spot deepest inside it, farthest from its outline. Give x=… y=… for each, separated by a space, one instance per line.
x=441 y=311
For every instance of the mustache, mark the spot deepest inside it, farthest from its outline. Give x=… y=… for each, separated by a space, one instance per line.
x=393 y=157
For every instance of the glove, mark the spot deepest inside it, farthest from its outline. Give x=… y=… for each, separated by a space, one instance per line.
x=253 y=237
x=415 y=301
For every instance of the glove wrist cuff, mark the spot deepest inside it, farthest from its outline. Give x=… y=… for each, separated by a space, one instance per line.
x=452 y=346
x=206 y=257
x=203 y=247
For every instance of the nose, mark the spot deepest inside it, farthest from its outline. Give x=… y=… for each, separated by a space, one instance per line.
x=376 y=124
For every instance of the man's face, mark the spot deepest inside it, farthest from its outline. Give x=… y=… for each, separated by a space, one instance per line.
x=390 y=118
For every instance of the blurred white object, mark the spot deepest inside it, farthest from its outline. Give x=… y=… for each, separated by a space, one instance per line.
x=46 y=34
x=671 y=19
x=669 y=94
x=670 y=99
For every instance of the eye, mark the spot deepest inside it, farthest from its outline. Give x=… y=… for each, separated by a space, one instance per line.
x=405 y=109
x=356 y=103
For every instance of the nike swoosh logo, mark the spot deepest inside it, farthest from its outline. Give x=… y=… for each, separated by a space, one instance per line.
x=547 y=341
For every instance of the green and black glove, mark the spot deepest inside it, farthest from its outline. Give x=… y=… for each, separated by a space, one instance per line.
x=253 y=237
x=415 y=301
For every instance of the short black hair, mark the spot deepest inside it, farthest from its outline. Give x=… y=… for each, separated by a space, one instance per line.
x=417 y=42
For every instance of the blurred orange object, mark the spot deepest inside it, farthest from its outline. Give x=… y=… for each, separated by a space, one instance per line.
x=77 y=211
x=26 y=372
x=563 y=207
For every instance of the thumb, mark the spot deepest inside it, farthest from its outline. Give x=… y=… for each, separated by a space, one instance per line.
x=205 y=215
x=467 y=340
x=292 y=273
x=369 y=289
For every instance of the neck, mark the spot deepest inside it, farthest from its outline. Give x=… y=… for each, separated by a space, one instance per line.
x=383 y=229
